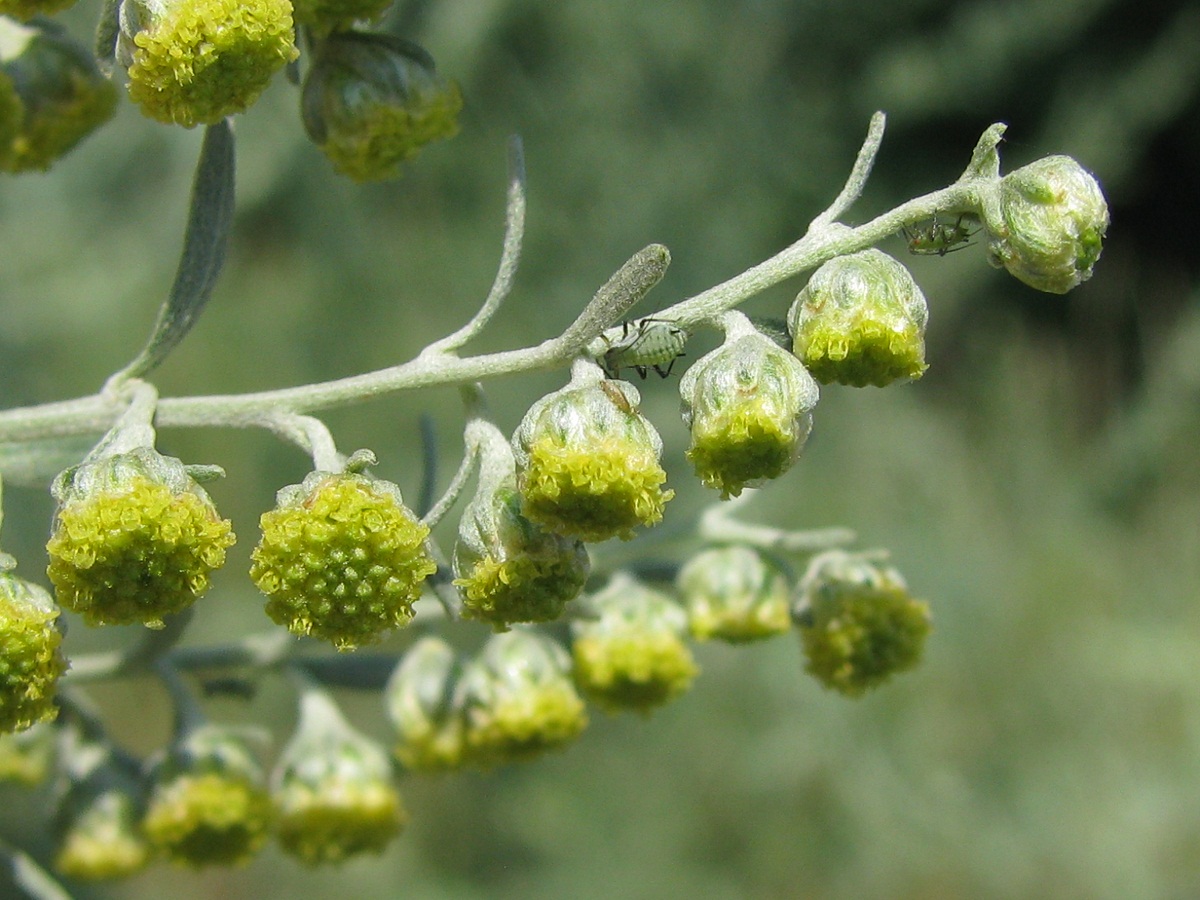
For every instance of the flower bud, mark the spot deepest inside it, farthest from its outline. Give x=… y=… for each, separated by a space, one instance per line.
x=860 y=320
x=735 y=594
x=511 y=569
x=207 y=805
x=749 y=407
x=1047 y=224
x=135 y=538
x=518 y=700
x=98 y=823
x=372 y=101
x=858 y=623
x=193 y=62
x=587 y=461
x=31 y=658
x=25 y=756
x=341 y=558
x=52 y=95
x=424 y=708
x=333 y=790
x=633 y=655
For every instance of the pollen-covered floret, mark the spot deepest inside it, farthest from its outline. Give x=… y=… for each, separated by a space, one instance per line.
x=207 y=804
x=735 y=594
x=341 y=559
x=858 y=623
x=518 y=700
x=860 y=320
x=633 y=655
x=1047 y=224
x=31 y=658
x=587 y=462
x=193 y=62
x=372 y=101
x=749 y=407
x=135 y=539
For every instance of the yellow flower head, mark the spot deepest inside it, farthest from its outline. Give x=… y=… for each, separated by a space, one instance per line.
x=31 y=658
x=734 y=594
x=425 y=708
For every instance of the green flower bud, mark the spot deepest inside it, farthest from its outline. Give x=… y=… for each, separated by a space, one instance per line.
x=858 y=623
x=193 y=62
x=511 y=569
x=31 y=658
x=24 y=10
x=1046 y=224
x=749 y=407
x=98 y=823
x=518 y=700
x=341 y=558
x=207 y=804
x=633 y=655
x=372 y=101
x=135 y=539
x=25 y=757
x=587 y=461
x=333 y=790
x=860 y=320
x=52 y=95
x=735 y=594
x=423 y=707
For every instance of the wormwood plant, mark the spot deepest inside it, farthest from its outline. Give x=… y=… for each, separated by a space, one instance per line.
x=343 y=560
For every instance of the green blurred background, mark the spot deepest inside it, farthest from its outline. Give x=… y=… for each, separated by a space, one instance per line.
x=1040 y=485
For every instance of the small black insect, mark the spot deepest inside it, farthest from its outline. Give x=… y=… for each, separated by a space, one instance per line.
x=938 y=238
x=648 y=343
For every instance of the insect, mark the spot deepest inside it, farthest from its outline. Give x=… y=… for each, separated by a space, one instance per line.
x=938 y=238
x=648 y=343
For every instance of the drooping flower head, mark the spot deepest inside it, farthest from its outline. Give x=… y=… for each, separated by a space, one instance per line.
x=633 y=655
x=748 y=405
x=31 y=657
x=372 y=101
x=735 y=594
x=860 y=320
x=587 y=460
x=333 y=790
x=52 y=95
x=518 y=699
x=511 y=569
x=341 y=558
x=1046 y=224
x=424 y=706
x=207 y=803
x=25 y=756
x=858 y=623
x=135 y=538
x=193 y=62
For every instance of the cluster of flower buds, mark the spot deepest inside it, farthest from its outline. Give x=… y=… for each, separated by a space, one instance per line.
x=52 y=94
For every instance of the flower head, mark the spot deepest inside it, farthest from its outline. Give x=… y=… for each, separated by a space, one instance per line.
x=31 y=657
x=860 y=320
x=509 y=568
x=193 y=62
x=207 y=803
x=735 y=594
x=425 y=710
x=749 y=407
x=518 y=700
x=633 y=655
x=858 y=623
x=25 y=756
x=341 y=558
x=52 y=95
x=372 y=101
x=587 y=461
x=333 y=791
x=1047 y=224
x=135 y=538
